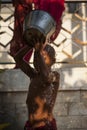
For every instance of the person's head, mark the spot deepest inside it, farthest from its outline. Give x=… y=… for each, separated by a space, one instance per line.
x=33 y=36
x=48 y=54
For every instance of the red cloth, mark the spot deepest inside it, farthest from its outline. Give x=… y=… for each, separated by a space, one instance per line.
x=53 y=7
x=22 y=7
x=49 y=126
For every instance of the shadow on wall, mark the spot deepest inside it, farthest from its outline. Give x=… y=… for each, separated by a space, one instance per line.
x=13 y=112
x=8 y=122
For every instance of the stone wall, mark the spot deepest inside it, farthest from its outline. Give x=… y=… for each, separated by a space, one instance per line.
x=70 y=108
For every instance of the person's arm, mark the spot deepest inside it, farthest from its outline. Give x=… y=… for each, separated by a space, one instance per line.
x=39 y=62
x=24 y=66
x=41 y=67
x=46 y=74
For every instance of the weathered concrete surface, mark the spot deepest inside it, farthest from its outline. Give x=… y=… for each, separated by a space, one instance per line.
x=70 y=108
x=70 y=79
x=13 y=80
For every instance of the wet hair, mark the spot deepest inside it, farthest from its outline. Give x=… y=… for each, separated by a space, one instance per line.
x=51 y=52
x=32 y=36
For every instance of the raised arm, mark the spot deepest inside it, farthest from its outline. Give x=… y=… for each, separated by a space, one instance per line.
x=24 y=66
x=43 y=69
x=39 y=62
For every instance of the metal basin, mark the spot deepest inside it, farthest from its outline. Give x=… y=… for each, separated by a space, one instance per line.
x=40 y=20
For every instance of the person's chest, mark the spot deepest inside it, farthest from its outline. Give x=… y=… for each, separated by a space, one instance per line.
x=40 y=88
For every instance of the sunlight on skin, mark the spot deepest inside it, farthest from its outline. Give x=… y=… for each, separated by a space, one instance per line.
x=39 y=112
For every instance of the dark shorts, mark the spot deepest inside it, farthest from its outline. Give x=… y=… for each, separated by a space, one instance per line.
x=49 y=126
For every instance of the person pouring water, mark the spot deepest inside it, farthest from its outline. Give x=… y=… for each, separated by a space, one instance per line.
x=44 y=82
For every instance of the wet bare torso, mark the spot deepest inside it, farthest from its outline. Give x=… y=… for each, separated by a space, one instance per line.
x=43 y=88
x=41 y=98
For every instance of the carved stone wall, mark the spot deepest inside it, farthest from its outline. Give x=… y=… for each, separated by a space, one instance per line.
x=70 y=45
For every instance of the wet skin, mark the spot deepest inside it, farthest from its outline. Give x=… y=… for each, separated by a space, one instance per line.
x=43 y=86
